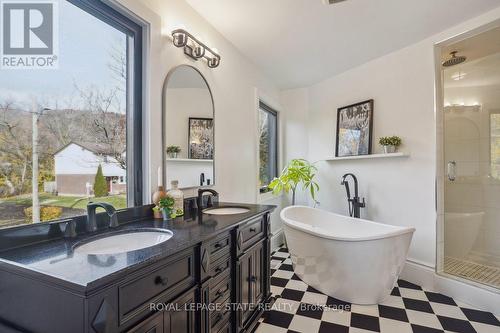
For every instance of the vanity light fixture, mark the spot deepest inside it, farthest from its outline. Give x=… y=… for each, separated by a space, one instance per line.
x=194 y=48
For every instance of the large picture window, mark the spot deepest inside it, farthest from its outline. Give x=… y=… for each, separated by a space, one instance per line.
x=73 y=134
x=268 y=146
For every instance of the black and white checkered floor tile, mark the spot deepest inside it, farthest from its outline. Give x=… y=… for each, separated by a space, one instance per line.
x=301 y=308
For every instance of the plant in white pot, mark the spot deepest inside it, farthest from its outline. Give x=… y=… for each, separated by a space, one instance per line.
x=173 y=151
x=297 y=172
x=390 y=143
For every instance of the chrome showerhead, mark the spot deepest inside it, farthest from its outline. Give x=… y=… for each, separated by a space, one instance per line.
x=454 y=60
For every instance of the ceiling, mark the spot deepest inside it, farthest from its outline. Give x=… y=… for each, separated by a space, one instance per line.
x=301 y=42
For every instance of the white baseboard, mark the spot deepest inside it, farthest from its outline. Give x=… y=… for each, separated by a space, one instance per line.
x=483 y=298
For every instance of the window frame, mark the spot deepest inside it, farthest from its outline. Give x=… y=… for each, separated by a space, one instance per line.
x=134 y=140
x=266 y=108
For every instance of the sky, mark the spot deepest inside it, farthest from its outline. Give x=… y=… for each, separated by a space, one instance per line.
x=85 y=44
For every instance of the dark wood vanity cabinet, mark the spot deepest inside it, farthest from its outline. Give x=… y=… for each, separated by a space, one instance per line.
x=180 y=319
x=229 y=280
x=250 y=282
x=213 y=286
x=236 y=267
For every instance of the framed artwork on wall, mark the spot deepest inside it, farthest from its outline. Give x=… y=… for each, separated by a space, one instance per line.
x=201 y=138
x=354 y=129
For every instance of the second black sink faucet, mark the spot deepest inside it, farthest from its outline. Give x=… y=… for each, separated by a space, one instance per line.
x=214 y=195
x=354 y=203
x=91 y=215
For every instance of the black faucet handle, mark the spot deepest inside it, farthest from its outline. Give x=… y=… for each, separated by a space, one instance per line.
x=70 y=229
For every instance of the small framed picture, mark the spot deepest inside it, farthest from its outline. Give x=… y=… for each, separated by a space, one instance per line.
x=201 y=138
x=354 y=129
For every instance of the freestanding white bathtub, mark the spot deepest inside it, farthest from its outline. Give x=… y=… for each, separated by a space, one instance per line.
x=350 y=259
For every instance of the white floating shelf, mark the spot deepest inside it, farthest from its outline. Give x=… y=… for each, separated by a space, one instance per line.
x=188 y=160
x=364 y=157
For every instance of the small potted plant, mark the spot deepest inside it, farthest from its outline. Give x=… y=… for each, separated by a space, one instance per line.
x=166 y=205
x=173 y=151
x=390 y=143
x=157 y=214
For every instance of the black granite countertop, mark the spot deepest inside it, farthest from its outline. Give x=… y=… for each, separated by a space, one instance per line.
x=55 y=261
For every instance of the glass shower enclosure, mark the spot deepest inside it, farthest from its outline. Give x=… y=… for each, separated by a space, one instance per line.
x=468 y=180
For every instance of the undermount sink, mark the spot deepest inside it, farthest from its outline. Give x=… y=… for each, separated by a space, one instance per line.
x=124 y=242
x=226 y=210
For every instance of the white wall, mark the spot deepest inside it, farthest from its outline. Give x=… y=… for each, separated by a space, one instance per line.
x=398 y=191
x=233 y=86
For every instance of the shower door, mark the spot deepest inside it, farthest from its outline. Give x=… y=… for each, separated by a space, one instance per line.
x=470 y=224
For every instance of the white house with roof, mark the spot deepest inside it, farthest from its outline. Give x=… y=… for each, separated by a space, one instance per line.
x=76 y=166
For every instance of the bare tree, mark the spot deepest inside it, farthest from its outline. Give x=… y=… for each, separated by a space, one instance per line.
x=15 y=146
x=109 y=127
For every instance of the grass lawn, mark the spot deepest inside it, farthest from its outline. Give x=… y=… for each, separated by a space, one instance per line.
x=118 y=201
x=12 y=209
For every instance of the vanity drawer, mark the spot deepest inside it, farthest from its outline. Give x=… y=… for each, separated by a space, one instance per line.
x=220 y=289
x=172 y=277
x=220 y=265
x=250 y=233
x=220 y=317
x=219 y=246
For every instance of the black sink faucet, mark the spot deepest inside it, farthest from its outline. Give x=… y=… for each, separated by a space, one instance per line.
x=91 y=215
x=354 y=203
x=200 y=196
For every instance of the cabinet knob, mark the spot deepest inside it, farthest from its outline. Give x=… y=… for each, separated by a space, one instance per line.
x=161 y=280
x=217 y=245
x=252 y=279
x=253 y=229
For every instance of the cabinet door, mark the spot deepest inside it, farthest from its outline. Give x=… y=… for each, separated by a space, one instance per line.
x=153 y=324
x=244 y=285
x=258 y=272
x=183 y=318
x=250 y=279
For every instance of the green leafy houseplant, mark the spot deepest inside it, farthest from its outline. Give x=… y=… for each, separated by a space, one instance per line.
x=166 y=205
x=390 y=141
x=298 y=171
x=172 y=151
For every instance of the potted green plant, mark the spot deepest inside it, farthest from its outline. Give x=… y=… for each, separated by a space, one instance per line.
x=173 y=151
x=166 y=205
x=157 y=214
x=298 y=171
x=390 y=143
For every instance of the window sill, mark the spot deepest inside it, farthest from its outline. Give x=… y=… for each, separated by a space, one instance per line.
x=267 y=196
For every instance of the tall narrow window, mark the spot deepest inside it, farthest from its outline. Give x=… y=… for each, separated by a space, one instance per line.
x=268 y=146
x=72 y=134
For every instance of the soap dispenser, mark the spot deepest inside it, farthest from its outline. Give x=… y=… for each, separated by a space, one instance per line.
x=178 y=197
